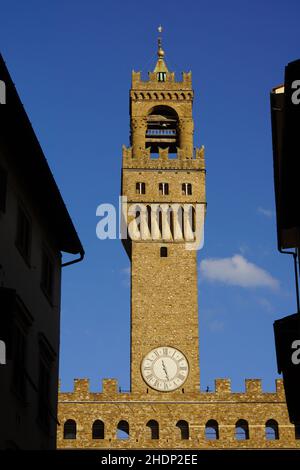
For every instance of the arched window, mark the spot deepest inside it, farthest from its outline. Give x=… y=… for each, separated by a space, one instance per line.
x=184 y=429
x=162 y=129
x=272 y=431
x=241 y=430
x=171 y=220
x=212 y=430
x=186 y=189
x=154 y=428
x=149 y=218
x=123 y=430
x=160 y=220
x=98 y=429
x=193 y=214
x=70 y=429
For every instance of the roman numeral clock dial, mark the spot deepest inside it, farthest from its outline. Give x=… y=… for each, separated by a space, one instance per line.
x=165 y=369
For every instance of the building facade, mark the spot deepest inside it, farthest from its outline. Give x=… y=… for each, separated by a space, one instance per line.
x=35 y=228
x=164 y=203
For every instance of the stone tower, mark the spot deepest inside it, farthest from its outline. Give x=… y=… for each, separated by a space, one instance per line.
x=163 y=180
x=163 y=190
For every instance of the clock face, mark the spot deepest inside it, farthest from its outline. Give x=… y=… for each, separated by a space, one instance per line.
x=165 y=368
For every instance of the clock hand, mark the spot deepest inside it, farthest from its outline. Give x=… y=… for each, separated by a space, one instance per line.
x=165 y=369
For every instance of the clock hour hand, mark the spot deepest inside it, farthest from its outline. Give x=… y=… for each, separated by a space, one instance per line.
x=165 y=369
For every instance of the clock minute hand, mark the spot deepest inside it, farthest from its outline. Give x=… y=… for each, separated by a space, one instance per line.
x=165 y=369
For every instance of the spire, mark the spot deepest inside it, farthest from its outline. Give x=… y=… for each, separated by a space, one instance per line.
x=160 y=64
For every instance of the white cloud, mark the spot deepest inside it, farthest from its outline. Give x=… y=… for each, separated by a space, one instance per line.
x=266 y=304
x=237 y=271
x=266 y=212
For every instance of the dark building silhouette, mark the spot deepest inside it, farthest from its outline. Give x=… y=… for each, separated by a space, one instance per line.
x=35 y=228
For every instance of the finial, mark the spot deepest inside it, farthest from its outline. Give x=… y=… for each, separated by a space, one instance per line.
x=160 y=51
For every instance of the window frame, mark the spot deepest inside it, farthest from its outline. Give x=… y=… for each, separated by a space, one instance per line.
x=187 y=189
x=23 y=238
x=3 y=189
x=46 y=360
x=140 y=188
x=164 y=189
x=48 y=284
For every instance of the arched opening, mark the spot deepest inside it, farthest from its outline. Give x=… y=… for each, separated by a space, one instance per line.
x=98 y=429
x=160 y=221
x=162 y=129
x=241 y=430
x=154 y=429
x=171 y=220
x=183 y=426
x=272 y=430
x=193 y=224
x=123 y=430
x=70 y=429
x=149 y=218
x=212 y=430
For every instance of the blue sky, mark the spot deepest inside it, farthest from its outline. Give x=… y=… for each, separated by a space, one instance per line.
x=71 y=62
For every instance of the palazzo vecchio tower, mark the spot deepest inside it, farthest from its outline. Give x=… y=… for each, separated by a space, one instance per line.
x=164 y=203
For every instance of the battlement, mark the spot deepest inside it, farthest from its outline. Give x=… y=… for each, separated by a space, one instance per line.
x=144 y=160
x=112 y=392
x=170 y=84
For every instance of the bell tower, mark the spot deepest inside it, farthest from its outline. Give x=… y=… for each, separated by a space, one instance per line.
x=163 y=209
x=163 y=186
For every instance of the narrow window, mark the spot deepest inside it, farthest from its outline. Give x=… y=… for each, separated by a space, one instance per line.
x=212 y=430
x=241 y=430
x=23 y=238
x=3 y=189
x=183 y=426
x=272 y=431
x=47 y=275
x=46 y=360
x=19 y=361
x=154 y=428
x=140 y=188
x=98 y=429
x=297 y=431
x=163 y=189
x=160 y=220
x=70 y=429
x=161 y=76
x=186 y=189
x=123 y=430
x=193 y=219
x=149 y=218
x=163 y=252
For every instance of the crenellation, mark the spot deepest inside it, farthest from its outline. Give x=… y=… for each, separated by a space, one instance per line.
x=110 y=387
x=144 y=160
x=253 y=387
x=82 y=388
x=222 y=386
x=151 y=83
